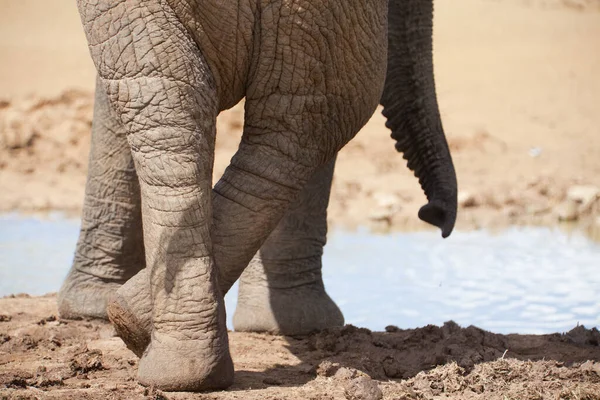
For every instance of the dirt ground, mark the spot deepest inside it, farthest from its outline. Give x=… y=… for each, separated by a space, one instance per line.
x=44 y=357
x=519 y=91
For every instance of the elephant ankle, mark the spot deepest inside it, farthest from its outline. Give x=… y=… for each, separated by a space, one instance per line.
x=293 y=310
x=284 y=274
x=187 y=365
x=83 y=295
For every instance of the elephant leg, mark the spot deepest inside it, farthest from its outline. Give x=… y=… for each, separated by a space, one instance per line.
x=248 y=203
x=282 y=289
x=110 y=249
x=303 y=103
x=162 y=88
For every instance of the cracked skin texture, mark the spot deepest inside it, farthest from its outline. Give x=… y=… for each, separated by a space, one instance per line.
x=312 y=74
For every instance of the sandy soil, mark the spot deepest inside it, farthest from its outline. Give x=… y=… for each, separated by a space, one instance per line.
x=43 y=357
x=518 y=89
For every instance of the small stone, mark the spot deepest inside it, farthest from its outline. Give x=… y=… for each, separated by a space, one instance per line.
x=478 y=388
x=381 y=214
x=583 y=195
x=89 y=361
x=387 y=200
x=346 y=373
x=466 y=199
x=154 y=394
x=567 y=211
x=391 y=328
x=388 y=205
x=362 y=388
x=47 y=319
x=327 y=368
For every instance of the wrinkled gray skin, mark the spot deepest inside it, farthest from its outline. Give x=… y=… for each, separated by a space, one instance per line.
x=312 y=73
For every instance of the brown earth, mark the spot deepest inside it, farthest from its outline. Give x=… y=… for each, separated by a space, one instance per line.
x=44 y=357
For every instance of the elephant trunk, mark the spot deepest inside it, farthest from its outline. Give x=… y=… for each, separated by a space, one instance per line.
x=410 y=106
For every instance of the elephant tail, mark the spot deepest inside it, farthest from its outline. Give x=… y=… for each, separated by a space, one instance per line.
x=410 y=106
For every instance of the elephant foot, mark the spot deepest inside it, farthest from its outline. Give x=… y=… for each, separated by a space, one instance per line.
x=186 y=365
x=130 y=311
x=85 y=296
x=292 y=310
x=166 y=363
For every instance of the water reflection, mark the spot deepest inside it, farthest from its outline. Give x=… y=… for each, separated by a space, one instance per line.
x=526 y=280
x=522 y=280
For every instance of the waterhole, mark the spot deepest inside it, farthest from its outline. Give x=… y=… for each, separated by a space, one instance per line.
x=520 y=280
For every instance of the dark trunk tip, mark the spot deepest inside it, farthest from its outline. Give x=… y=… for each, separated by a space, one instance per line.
x=439 y=214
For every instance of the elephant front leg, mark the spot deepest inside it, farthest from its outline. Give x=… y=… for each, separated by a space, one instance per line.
x=159 y=84
x=282 y=289
x=189 y=347
x=110 y=249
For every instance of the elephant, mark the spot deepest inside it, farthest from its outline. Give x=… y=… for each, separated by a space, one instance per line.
x=159 y=245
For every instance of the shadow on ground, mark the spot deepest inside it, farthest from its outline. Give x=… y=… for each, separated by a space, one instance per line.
x=402 y=354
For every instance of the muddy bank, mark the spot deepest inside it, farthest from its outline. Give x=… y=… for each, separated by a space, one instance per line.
x=44 y=144
x=42 y=356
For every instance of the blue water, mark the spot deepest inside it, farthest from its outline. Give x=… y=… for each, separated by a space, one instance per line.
x=523 y=280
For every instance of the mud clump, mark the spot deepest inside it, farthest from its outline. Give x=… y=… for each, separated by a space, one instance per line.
x=362 y=388
x=22 y=379
x=401 y=354
x=580 y=335
x=87 y=361
x=15 y=379
x=327 y=368
x=4 y=338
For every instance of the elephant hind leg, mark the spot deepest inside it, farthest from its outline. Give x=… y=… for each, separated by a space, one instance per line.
x=269 y=172
x=110 y=249
x=282 y=289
